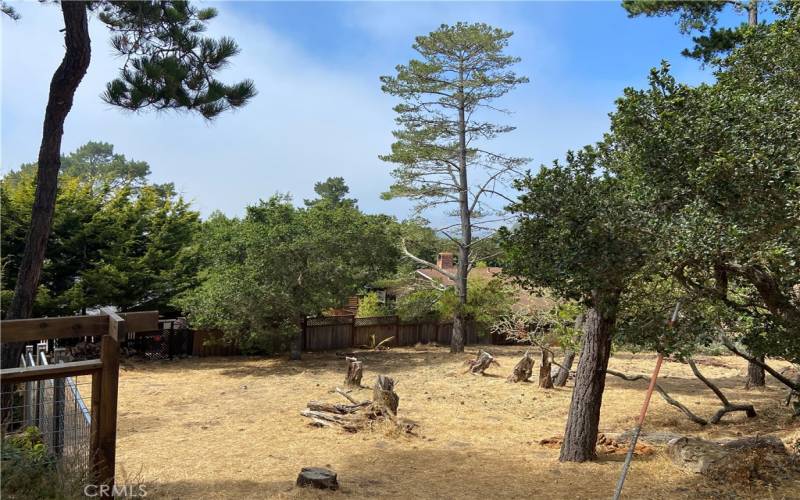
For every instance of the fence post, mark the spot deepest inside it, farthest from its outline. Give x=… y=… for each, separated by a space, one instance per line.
x=29 y=412
x=58 y=405
x=104 y=458
x=353 y=332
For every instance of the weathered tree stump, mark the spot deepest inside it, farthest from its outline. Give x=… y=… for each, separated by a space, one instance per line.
x=481 y=363
x=384 y=399
x=563 y=371
x=317 y=477
x=523 y=370
x=355 y=369
x=545 y=374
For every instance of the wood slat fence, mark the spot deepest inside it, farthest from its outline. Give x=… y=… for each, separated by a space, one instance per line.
x=343 y=332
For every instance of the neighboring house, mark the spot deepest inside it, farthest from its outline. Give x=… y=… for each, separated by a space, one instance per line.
x=445 y=260
x=526 y=300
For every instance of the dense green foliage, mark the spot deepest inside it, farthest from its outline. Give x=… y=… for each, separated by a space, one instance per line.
x=116 y=239
x=168 y=61
x=489 y=299
x=262 y=274
x=694 y=195
x=370 y=305
x=715 y=173
x=577 y=233
x=702 y=17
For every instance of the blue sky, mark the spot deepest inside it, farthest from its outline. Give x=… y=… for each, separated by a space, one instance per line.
x=320 y=111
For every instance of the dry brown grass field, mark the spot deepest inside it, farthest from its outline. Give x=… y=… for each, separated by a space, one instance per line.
x=231 y=428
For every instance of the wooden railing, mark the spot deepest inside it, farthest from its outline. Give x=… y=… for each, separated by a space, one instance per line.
x=111 y=327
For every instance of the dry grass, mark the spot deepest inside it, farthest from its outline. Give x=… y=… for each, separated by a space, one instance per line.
x=231 y=428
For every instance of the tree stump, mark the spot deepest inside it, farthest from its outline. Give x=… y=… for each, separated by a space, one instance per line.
x=563 y=371
x=318 y=477
x=384 y=399
x=355 y=370
x=523 y=370
x=481 y=363
x=545 y=374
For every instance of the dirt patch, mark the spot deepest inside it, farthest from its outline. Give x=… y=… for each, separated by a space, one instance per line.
x=477 y=436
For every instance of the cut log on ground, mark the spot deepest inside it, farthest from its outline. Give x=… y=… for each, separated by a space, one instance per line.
x=318 y=477
x=727 y=407
x=523 y=370
x=355 y=370
x=545 y=371
x=563 y=370
x=741 y=460
x=357 y=415
x=481 y=363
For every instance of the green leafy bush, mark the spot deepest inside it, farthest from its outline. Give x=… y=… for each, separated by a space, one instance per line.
x=370 y=305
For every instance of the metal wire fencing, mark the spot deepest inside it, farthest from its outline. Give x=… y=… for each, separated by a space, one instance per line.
x=50 y=416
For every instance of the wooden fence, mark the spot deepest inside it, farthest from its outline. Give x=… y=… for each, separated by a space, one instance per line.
x=344 y=332
x=110 y=328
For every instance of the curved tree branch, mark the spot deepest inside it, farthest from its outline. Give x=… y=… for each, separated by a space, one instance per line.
x=686 y=411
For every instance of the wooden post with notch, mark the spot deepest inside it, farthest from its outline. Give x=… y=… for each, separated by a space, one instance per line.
x=104 y=402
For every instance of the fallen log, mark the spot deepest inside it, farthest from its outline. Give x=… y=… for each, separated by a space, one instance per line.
x=358 y=415
x=523 y=369
x=739 y=460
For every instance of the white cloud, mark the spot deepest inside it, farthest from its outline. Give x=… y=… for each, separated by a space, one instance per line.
x=307 y=123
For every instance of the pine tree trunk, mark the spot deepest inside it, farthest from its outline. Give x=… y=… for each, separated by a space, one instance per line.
x=580 y=435
x=465 y=215
x=752 y=13
x=65 y=82
x=755 y=374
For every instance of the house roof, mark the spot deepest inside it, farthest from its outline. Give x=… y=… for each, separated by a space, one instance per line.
x=526 y=299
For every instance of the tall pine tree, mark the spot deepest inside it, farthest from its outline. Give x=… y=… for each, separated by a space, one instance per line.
x=440 y=147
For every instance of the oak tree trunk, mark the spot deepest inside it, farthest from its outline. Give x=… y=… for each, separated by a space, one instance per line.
x=65 y=81
x=580 y=435
x=755 y=374
x=563 y=371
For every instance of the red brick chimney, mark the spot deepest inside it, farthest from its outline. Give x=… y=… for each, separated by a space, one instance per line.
x=445 y=260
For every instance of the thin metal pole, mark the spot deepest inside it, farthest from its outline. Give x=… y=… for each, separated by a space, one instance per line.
x=638 y=429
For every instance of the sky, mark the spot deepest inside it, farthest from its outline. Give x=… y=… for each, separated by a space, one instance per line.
x=320 y=111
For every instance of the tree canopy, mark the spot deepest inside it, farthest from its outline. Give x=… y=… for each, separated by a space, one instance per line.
x=117 y=239
x=262 y=274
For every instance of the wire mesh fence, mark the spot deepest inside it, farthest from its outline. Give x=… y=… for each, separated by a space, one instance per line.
x=50 y=416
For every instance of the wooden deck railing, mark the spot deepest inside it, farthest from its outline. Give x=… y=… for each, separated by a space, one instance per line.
x=111 y=327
